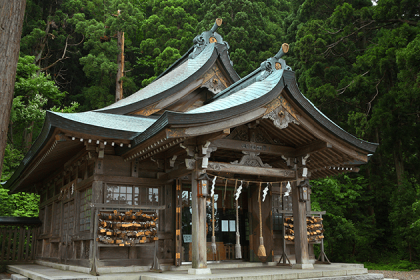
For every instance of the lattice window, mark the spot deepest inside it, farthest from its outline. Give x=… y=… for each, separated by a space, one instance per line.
x=146 y=196
x=277 y=221
x=153 y=196
x=119 y=194
x=68 y=217
x=287 y=203
x=85 y=209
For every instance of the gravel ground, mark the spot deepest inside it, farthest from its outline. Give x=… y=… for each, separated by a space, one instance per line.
x=401 y=275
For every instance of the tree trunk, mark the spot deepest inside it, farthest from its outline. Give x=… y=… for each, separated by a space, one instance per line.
x=399 y=164
x=120 y=62
x=28 y=136
x=11 y=21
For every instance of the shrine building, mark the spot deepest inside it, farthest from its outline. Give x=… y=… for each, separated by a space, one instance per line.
x=199 y=166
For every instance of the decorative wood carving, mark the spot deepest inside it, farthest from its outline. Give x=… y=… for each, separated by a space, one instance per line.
x=280 y=117
x=214 y=85
x=216 y=166
x=190 y=163
x=239 y=133
x=214 y=80
x=251 y=159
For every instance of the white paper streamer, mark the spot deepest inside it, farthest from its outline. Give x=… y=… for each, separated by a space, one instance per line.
x=265 y=191
x=288 y=189
x=238 y=191
x=212 y=186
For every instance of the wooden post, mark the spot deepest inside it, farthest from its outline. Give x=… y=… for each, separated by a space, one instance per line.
x=93 y=253
x=199 y=244
x=178 y=223
x=299 y=222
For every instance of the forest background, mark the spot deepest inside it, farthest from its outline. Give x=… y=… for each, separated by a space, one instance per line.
x=357 y=61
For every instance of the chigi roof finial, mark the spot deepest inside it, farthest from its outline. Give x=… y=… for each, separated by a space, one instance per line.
x=283 y=50
x=206 y=38
x=216 y=25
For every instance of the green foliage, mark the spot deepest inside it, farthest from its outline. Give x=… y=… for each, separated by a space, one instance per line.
x=395 y=265
x=349 y=227
x=19 y=204
x=168 y=30
x=253 y=29
x=358 y=63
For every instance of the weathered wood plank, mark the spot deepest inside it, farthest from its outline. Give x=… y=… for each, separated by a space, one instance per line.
x=28 y=241
x=9 y=243
x=3 y=243
x=21 y=243
x=212 y=136
x=118 y=206
x=84 y=183
x=312 y=148
x=34 y=242
x=15 y=234
x=181 y=171
x=250 y=170
x=237 y=145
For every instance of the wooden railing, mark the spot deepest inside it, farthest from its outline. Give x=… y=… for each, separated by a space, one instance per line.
x=17 y=239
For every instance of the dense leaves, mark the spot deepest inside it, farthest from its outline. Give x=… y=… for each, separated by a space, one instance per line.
x=357 y=62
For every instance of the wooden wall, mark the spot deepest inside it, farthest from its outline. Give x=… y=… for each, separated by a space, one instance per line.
x=68 y=193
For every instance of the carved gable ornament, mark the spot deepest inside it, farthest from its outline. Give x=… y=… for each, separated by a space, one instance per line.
x=251 y=159
x=281 y=118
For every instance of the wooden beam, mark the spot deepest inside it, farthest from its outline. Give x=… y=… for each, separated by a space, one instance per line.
x=213 y=136
x=116 y=206
x=312 y=148
x=127 y=180
x=176 y=173
x=254 y=147
x=250 y=170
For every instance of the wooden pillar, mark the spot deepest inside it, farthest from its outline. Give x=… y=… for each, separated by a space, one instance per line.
x=299 y=222
x=199 y=252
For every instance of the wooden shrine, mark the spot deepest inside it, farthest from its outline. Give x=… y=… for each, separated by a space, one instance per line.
x=199 y=160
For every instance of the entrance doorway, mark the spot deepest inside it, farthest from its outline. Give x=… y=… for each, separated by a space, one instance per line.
x=224 y=225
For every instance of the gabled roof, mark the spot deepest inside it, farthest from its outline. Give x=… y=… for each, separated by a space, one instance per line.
x=268 y=93
x=209 y=46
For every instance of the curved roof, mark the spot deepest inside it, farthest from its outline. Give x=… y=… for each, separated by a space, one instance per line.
x=97 y=124
x=175 y=77
x=306 y=105
x=178 y=76
x=102 y=124
x=250 y=94
x=239 y=99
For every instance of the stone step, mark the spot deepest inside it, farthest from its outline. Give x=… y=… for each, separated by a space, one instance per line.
x=18 y=277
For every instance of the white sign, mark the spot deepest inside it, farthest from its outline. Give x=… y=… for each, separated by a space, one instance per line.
x=187 y=238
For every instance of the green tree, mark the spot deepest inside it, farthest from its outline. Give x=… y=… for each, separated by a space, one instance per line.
x=357 y=63
x=168 y=32
x=253 y=29
x=99 y=25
